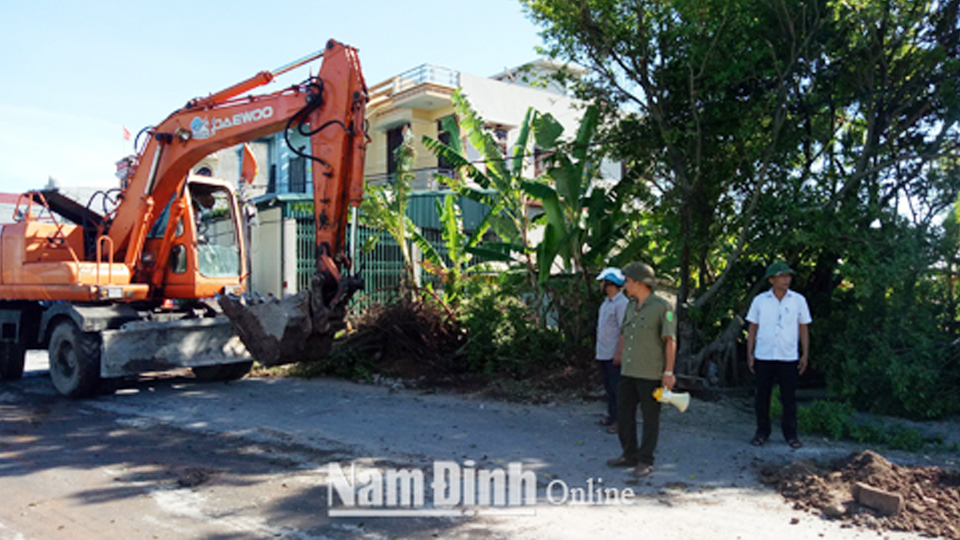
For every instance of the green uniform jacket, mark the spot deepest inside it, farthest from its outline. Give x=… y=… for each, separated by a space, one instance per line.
x=645 y=326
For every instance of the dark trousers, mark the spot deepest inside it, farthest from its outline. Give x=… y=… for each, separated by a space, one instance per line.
x=611 y=378
x=786 y=375
x=630 y=393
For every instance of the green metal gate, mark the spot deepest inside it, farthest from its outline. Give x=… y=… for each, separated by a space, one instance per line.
x=382 y=268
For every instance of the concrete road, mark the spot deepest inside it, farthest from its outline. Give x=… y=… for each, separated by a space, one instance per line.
x=168 y=457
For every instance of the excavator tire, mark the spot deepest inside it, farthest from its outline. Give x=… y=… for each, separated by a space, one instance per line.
x=74 y=361
x=12 y=357
x=222 y=372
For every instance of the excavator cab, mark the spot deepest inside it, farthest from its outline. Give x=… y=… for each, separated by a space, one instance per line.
x=214 y=213
x=202 y=252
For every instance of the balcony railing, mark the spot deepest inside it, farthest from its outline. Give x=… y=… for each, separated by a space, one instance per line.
x=426 y=73
x=423 y=179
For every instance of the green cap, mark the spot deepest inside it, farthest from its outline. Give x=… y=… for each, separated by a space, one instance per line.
x=776 y=269
x=641 y=272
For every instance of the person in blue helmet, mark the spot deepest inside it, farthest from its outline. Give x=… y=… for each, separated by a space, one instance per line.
x=608 y=339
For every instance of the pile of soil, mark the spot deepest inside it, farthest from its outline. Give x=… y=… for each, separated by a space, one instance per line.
x=417 y=345
x=404 y=340
x=931 y=495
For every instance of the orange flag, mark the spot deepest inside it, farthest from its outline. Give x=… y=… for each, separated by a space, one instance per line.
x=126 y=133
x=248 y=167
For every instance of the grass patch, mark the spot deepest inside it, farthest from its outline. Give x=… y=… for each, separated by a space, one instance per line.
x=837 y=420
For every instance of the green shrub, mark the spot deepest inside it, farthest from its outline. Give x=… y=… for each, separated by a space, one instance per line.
x=830 y=418
x=891 y=350
x=503 y=336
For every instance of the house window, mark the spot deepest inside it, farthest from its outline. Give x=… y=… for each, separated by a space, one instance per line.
x=204 y=171
x=540 y=160
x=499 y=137
x=272 y=179
x=394 y=141
x=444 y=136
x=298 y=175
x=500 y=134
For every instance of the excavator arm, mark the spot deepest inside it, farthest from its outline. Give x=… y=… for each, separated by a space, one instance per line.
x=332 y=104
x=329 y=108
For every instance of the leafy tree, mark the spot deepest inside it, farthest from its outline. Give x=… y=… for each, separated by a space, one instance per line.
x=693 y=114
x=810 y=131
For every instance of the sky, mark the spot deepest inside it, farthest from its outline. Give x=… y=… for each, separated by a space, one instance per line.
x=75 y=74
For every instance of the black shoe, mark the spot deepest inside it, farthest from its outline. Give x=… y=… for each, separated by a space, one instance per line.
x=622 y=461
x=642 y=470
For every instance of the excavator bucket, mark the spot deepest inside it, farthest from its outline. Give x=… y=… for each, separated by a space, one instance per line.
x=298 y=328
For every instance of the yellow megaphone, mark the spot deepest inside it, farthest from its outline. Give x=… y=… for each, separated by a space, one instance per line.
x=680 y=400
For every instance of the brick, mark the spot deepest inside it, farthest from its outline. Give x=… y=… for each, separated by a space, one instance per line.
x=882 y=501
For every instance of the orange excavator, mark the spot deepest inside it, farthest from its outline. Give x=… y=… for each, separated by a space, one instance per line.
x=126 y=286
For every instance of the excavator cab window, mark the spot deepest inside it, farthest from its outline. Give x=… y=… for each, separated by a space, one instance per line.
x=218 y=247
x=160 y=227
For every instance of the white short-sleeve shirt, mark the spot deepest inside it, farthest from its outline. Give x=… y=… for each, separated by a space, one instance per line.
x=778 y=325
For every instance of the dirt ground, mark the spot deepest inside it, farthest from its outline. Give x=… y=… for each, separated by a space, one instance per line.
x=820 y=487
x=931 y=495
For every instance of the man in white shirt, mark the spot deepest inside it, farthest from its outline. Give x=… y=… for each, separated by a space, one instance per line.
x=608 y=337
x=778 y=321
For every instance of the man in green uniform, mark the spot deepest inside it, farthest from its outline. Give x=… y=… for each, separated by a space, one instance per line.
x=648 y=338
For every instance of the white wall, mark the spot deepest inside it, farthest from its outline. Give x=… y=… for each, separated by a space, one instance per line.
x=265 y=253
x=504 y=103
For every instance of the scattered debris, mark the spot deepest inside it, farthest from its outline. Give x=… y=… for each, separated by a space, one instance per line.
x=194 y=476
x=867 y=490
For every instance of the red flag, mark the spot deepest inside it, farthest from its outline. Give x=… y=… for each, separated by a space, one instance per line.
x=248 y=167
x=126 y=133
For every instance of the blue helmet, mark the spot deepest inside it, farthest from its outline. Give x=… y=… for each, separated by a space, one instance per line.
x=613 y=275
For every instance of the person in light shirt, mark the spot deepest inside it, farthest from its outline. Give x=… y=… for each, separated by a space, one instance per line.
x=778 y=323
x=609 y=320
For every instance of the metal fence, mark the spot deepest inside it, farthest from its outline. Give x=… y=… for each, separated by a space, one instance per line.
x=381 y=268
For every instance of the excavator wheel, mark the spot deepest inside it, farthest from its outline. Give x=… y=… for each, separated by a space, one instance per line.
x=222 y=372
x=74 y=361
x=12 y=356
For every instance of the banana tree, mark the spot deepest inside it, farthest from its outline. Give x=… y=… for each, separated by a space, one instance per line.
x=384 y=209
x=583 y=222
x=498 y=187
x=461 y=269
